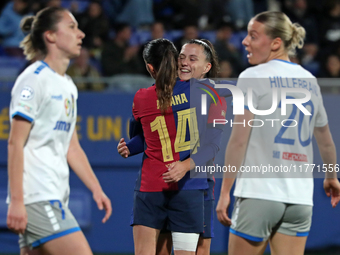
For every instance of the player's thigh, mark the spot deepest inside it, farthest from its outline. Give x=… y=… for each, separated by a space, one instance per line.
x=145 y=239
x=186 y=211
x=184 y=243
x=149 y=209
x=209 y=212
x=204 y=242
x=203 y=246
x=164 y=243
x=46 y=221
x=256 y=219
x=278 y=244
x=240 y=246
x=72 y=244
x=27 y=251
x=294 y=229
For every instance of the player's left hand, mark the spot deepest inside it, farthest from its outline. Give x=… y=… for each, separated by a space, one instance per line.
x=176 y=171
x=122 y=149
x=103 y=202
x=332 y=189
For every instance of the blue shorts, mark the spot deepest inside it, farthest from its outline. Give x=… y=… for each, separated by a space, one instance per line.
x=209 y=206
x=179 y=211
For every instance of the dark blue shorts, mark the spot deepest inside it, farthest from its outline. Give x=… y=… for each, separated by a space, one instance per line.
x=209 y=209
x=179 y=211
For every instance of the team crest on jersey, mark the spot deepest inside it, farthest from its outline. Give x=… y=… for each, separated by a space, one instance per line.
x=68 y=107
x=27 y=93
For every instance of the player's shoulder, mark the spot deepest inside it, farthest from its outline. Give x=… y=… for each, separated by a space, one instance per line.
x=257 y=71
x=304 y=73
x=145 y=93
x=181 y=85
x=70 y=80
x=276 y=66
x=181 y=82
x=29 y=71
x=27 y=77
x=199 y=82
x=36 y=71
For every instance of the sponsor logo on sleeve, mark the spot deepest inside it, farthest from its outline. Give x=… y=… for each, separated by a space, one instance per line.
x=26 y=107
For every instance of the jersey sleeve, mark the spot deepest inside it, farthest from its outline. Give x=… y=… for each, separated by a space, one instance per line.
x=223 y=92
x=26 y=97
x=135 y=127
x=136 y=144
x=217 y=114
x=136 y=106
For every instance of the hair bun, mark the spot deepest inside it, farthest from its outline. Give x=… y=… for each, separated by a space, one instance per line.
x=298 y=36
x=26 y=24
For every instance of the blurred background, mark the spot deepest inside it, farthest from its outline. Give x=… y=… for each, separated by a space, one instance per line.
x=110 y=70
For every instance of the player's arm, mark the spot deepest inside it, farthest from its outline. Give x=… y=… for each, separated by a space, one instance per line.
x=79 y=163
x=132 y=147
x=234 y=156
x=17 y=216
x=206 y=151
x=212 y=137
x=136 y=144
x=135 y=127
x=327 y=150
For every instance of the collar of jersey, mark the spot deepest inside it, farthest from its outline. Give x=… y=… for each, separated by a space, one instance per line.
x=285 y=61
x=42 y=61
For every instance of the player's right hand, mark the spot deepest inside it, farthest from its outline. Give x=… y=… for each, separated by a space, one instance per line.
x=122 y=149
x=222 y=210
x=17 y=217
x=103 y=202
x=332 y=189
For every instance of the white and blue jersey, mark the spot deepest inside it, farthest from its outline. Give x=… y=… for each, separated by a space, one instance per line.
x=282 y=140
x=48 y=101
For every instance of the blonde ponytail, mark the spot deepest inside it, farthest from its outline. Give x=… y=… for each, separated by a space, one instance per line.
x=298 y=36
x=26 y=44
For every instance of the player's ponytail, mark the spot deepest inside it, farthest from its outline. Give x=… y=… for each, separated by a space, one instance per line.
x=298 y=35
x=27 y=44
x=162 y=55
x=166 y=79
x=45 y=20
x=279 y=25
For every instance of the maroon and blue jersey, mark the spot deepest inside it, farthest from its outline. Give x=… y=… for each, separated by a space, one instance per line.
x=172 y=136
